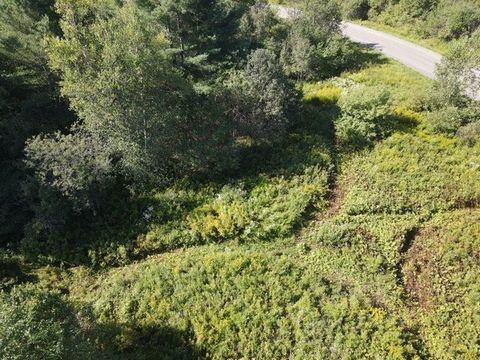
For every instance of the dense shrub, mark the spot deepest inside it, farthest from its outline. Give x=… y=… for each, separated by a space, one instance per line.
x=441 y=274
x=322 y=93
x=261 y=100
x=315 y=48
x=469 y=133
x=78 y=167
x=251 y=304
x=365 y=116
x=264 y=29
x=36 y=324
x=457 y=75
x=355 y=9
x=130 y=93
x=452 y=96
x=381 y=236
x=452 y=20
x=269 y=210
x=418 y=8
x=441 y=19
x=446 y=120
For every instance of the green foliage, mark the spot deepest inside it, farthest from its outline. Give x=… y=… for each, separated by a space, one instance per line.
x=355 y=9
x=262 y=207
x=263 y=28
x=322 y=93
x=23 y=24
x=315 y=48
x=457 y=83
x=469 y=133
x=452 y=20
x=414 y=173
x=205 y=35
x=77 y=166
x=36 y=324
x=261 y=100
x=29 y=101
x=441 y=274
x=365 y=117
x=270 y=211
x=448 y=120
x=381 y=236
x=127 y=91
x=457 y=76
x=186 y=144
x=440 y=19
x=251 y=304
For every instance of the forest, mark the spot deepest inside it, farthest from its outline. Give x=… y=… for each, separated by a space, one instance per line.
x=203 y=179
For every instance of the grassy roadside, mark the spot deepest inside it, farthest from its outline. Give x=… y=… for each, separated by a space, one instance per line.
x=406 y=33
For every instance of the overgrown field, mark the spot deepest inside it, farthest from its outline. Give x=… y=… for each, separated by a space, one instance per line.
x=318 y=251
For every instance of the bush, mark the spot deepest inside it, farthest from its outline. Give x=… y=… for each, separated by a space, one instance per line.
x=446 y=120
x=458 y=70
x=261 y=100
x=457 y=83
x=322 y=94
x=35 y=324
x=267 y=209
x=418 y=8
x=263 y=27
x=315 y=48
x=365 y=115
x=355 y=9
x=78 y=167
x=470 y=133
x=452 y=20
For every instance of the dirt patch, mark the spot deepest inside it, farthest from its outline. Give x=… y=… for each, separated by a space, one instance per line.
x=419 y=268
x=336 y=200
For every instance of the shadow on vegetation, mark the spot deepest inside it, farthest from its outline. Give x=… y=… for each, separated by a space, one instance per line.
x=365 y=55
x=145 y=343
x=12 y=273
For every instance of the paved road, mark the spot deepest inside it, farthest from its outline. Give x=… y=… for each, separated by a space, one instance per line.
x=416 y=57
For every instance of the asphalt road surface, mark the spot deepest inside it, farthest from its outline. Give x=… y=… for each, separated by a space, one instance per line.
x=416 y=57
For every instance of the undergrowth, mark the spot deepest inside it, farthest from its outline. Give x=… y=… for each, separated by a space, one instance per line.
x=315 y=251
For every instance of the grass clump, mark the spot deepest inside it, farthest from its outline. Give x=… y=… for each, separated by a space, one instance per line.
x=322 y=93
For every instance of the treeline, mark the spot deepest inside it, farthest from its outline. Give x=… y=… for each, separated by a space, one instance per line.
x=103 y=100
x=443 y=19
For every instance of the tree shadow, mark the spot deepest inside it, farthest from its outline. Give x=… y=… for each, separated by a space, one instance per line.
x=12 y=273
x=309 y=142
x=124 y=342
x=365 y=55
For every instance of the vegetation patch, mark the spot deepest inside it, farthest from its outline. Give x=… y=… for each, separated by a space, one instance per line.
x=441 y=273
x=248 y=304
